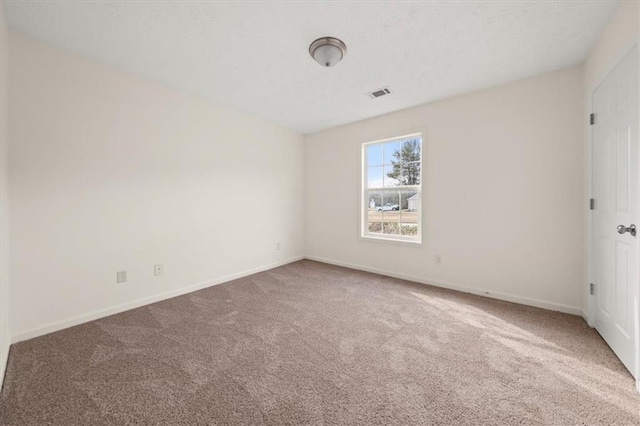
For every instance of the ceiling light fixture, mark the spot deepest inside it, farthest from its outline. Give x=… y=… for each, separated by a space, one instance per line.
x=327 y=51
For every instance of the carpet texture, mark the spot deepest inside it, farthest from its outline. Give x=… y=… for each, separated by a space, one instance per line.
x=310 y=343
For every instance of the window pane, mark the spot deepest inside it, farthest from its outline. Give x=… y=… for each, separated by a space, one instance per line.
x=391 y=212
x=374 y=217
x=374 y=177
x=391 y=152
x=409 y=229
x=375 y=200
x=392 y=175
x=411 y=150
x=374 y=155
x=391 y=228
x=404 y=199
x=391 y=201
x=409 y=213
x=410 y=173
x=375 y=227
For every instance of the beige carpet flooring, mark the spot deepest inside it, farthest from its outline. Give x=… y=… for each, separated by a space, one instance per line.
x=310 y=343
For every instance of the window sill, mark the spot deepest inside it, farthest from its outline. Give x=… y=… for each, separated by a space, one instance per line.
x=390 y=240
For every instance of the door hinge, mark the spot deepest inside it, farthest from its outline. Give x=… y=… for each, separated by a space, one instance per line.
x=592 y=119
x=592 y=204
x=592 y=289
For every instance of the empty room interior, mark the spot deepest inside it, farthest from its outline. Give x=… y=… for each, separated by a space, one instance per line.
x=321 y=212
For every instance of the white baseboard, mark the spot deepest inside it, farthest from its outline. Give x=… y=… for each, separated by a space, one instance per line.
x=552 y=306
x=60 y=325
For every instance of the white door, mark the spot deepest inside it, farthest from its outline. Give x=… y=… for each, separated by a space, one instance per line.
x=615 y=189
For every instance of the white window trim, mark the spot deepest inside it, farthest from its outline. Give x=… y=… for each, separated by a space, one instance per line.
x=363 y=233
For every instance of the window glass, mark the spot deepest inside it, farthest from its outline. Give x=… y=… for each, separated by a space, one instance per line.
x=392 y=189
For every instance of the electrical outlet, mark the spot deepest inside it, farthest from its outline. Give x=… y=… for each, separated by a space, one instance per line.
x=278 y=246
x=121 y=277
x=158 y=269
x=437 y=259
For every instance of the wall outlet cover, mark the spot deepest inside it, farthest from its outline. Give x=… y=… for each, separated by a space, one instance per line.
x=158 y=269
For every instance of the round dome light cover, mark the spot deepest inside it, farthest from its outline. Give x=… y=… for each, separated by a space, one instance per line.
x=327 y=51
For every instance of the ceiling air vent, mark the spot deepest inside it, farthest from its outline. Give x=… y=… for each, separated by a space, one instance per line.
x=380 y=92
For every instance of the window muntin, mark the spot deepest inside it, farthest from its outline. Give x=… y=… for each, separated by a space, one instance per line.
x=392 y=189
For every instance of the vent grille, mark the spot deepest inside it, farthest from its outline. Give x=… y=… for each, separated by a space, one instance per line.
x=380 y=92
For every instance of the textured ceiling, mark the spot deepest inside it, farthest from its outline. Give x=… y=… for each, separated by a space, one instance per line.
x=253 y=57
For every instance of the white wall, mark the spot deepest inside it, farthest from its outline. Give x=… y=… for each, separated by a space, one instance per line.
x=502 y=189
x=110 y=172
x=4 y=237
x=619 y=35
x=115 y=165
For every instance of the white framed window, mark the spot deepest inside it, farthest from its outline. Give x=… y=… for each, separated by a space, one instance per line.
x=392 y=189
